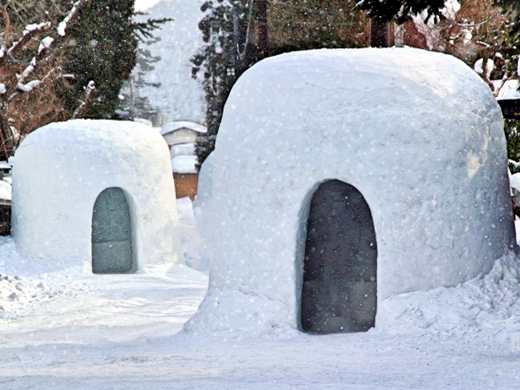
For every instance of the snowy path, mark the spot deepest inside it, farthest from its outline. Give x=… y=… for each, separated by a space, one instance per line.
x=120 y=332
x=334 y=362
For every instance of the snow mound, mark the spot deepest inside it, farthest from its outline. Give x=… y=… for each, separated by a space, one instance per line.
x=190 y=236
x=16 y=290
x=418 y=134
x=514 y=181
x=184 y=164
x=19 y=288
x=482 y=303
x=185 y=211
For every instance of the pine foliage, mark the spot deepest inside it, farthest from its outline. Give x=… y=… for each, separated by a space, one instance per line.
x=316 y=24
x=104 y=51
x=222 y=59
x=401 y=10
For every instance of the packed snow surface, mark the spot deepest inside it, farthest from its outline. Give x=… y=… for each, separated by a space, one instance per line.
x=419 y=134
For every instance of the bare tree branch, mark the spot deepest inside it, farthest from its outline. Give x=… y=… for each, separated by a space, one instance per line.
x=82 y=103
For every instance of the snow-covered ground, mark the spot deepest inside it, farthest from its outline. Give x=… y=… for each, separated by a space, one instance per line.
x=63 y=329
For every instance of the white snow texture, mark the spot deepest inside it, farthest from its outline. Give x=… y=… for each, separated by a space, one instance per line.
x=180 y=96
x=419 y=134
x=62 y=168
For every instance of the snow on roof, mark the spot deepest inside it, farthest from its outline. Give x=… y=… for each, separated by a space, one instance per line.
x=170 y=127
x=5 y=165
x=184 y=164
x=514 y=181
x=187 y=149
x=507 y=90
x=5 y=190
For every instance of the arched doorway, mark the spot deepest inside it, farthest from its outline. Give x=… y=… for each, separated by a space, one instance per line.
x=112 y=247
x=339 y=292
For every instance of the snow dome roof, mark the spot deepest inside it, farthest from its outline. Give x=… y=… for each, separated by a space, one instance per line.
x=417 y=133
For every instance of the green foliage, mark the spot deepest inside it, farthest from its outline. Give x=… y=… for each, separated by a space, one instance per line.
x=221 y=60
x=515 y=4
x=315 y=24
x=132 y=102
x=104 y=51
x=512 y=132
x=401 y=10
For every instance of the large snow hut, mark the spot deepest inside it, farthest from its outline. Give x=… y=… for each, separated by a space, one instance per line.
x=390 y=163
x=97 y=193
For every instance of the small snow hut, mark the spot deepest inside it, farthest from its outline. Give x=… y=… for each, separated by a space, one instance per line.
x=97 y=193
x=342 y=177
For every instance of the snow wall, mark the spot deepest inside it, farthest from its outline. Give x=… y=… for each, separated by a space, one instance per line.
x=59 y=172
x=419 y=134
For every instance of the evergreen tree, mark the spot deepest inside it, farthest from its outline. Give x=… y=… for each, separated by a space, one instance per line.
x=401 y=10
x=135 y=104
x=511 y=129
x=315 y=24
x=228 y=51
x=104 y=51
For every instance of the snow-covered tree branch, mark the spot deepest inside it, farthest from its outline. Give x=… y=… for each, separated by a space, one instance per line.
x=31 y=59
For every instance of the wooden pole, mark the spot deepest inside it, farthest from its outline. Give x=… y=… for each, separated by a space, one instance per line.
x=379 y=34
x=262 y=28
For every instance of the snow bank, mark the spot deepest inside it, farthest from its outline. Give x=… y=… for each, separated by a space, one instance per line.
x=59 y=173
x=418 y=133
x=201 y=211
x=191 y=239
x=482 y=303
x=514 y=181
x=18 y=289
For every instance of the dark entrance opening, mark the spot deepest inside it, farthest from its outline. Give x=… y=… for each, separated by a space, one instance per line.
x=339 y=279
x=112 y=247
